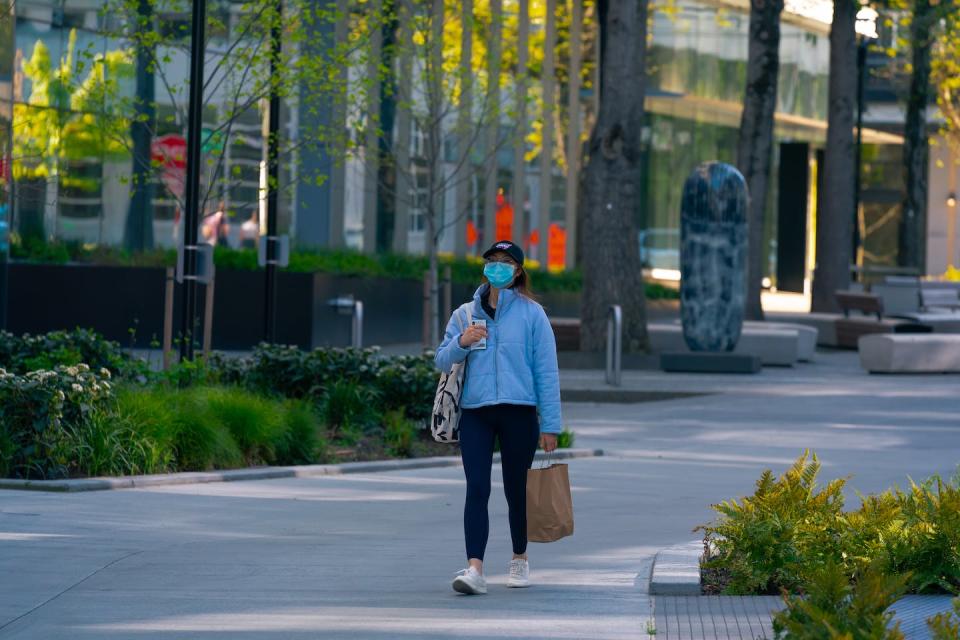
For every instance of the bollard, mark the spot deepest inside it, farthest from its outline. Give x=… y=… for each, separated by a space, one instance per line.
x=614 y=344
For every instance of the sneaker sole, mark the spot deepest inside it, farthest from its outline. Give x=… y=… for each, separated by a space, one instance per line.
x=518 y=585
x=462 y=586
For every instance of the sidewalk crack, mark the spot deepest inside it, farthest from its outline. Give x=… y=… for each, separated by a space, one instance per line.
x=68 y=589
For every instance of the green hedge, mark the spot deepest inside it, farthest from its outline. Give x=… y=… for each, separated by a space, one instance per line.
x=340 y=262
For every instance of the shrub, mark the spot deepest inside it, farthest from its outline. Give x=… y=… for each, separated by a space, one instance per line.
x=400 y=433
x=348 y=408
x=20 y=354
x=223 y=427
x=788 y=528
x=111 y=444
x=787 y=531
x=300 y=442
x=836 y=609
x=927 y=542
x=409 y=382
x=35 y=411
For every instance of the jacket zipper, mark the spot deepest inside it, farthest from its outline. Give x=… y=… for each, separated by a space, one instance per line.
x=496 y=350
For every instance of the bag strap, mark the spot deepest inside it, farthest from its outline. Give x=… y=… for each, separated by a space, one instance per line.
x=464 y=308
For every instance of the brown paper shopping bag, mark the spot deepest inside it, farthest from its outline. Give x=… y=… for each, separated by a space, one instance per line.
x=549 y=504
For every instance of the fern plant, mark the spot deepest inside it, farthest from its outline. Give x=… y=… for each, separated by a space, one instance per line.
x=834 y=608
x=786 y=529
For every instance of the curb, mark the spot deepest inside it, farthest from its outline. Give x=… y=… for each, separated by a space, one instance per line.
x=265 y=473
x=676 y=570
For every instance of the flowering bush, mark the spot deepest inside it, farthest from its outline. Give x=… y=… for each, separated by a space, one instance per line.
x=20 y=354
x=36 y=411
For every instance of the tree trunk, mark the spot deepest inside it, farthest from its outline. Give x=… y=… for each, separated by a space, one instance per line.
x=434 y=153
x=916 y=146
x=835 y=209
x=464 y=181
x=755 y=146
x=386 y=164
x=546 y=134
x=492 y=133
x=138 y=234
x=518 y=192
x=611 y=195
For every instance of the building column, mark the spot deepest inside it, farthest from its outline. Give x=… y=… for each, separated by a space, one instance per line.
x=492 y=118
x=573 y=133
x=518 y=190
x=546 y=152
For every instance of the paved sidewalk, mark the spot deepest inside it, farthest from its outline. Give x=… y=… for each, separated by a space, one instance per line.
x=698 y=617
x=371 y=556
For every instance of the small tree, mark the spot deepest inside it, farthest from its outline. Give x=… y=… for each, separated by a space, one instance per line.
x=237 y=86
x=71 y=115
x=443 y=97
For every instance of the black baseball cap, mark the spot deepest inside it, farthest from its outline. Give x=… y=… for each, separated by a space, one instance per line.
x=507 y=247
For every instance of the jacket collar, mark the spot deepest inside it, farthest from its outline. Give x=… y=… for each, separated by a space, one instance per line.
x=507 y=296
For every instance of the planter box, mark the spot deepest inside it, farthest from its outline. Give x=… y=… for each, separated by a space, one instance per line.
x=126 y=304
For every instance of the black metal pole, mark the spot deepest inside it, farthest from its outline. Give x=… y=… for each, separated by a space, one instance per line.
x=273 y=179
x=191 y=215
x=861 y=71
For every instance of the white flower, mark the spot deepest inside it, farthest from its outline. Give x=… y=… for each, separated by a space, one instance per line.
x=73 y=371
x=105 y=373
x=76 y=387
x=83 y=367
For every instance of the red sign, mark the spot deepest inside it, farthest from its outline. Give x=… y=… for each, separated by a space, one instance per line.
x=504 y=219
x=557 y=247
x=472 y=233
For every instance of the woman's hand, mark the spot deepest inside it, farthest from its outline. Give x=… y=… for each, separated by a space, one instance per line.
x=472 y=334
x=548 y=441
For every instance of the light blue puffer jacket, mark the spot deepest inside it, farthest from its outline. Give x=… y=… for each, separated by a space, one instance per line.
x=519 y=365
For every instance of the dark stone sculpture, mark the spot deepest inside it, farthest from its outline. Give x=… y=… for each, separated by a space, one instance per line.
x=713 y=257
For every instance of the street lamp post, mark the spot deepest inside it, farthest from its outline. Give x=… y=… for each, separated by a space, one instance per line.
x=191 y=214
x=273 y=180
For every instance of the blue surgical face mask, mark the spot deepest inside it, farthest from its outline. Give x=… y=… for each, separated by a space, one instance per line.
x=500 y=274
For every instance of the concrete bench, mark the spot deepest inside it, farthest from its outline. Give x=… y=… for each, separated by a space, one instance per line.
x=824 y=323
x=567 y=333
x=910 y=353
x=807 y=336
x=775 y=347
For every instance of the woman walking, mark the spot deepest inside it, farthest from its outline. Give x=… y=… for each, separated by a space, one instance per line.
x=511 y=372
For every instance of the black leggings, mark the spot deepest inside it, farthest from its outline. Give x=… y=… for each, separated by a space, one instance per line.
x=519 y=431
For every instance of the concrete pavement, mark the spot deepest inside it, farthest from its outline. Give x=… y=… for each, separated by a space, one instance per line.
x=372 y=555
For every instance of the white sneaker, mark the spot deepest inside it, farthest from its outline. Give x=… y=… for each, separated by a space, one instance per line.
x=470 y=582
x=519 y=573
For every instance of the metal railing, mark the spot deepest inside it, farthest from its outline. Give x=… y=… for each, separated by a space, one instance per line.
x=614 y=344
